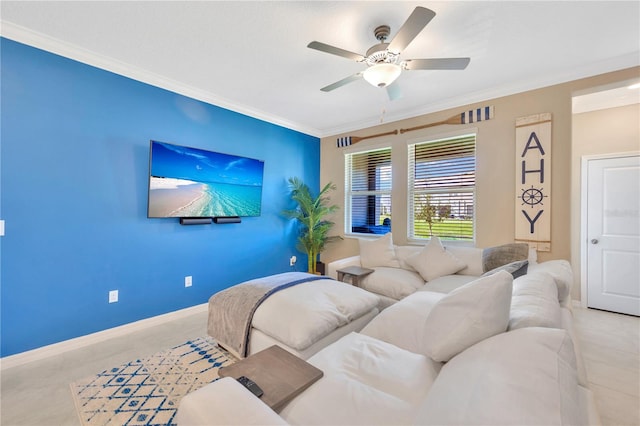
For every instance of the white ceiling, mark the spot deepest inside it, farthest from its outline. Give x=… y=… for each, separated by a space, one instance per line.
x=251 y=57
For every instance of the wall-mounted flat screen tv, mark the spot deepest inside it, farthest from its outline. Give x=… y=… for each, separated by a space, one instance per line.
x=191 y=182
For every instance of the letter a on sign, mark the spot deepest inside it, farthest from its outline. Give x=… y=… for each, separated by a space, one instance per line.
x=533 y=181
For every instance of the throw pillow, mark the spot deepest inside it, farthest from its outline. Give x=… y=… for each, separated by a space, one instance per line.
x=433 y=261
x=467 y=315
x=516 y=269
x=394 y=283
x=493 y=257
x=378 y=252
x=402 y=323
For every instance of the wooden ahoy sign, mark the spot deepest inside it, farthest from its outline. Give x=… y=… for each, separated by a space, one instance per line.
x=533 y=181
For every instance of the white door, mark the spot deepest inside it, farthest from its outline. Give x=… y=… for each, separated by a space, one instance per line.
x=613 y=234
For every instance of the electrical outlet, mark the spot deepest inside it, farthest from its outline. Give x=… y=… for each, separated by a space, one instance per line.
x=292 y=260
x=113 y=296
x=188 y=281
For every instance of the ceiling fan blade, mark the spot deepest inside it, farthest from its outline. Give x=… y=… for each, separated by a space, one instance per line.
x=342 y=82
x=437 y=64
x=393 y=91
x=418 y=19
x=335 y=51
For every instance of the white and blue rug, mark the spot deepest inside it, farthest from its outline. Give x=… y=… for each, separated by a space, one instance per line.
x=148 y=391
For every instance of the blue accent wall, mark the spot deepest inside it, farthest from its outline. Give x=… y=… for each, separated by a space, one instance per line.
x=73 y=179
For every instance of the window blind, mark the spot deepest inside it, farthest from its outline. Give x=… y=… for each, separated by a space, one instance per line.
x=368 y=192
x=441 y=188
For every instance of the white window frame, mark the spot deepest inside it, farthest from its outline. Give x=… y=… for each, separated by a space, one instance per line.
x=349 y=193
x=411 y=145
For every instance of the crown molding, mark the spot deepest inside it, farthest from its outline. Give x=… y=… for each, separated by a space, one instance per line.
x=74 y=52
x=49 y=44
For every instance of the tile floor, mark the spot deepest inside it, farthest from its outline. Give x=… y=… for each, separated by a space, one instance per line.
x=610 y=345
x=39 y=394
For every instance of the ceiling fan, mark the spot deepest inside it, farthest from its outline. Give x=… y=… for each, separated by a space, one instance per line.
x=383 y=61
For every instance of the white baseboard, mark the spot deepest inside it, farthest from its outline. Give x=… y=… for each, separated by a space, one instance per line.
x=90 y=339
x=578 y=304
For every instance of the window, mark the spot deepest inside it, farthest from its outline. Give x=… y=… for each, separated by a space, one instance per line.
x=442 y=180
x=368 y=192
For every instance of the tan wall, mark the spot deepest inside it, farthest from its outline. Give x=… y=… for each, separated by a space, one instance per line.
x=603 y=132
x=495 y=178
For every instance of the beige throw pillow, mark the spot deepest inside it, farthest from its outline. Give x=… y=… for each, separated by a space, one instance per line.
x=433 y=261
x=467 y=315
x=378 y=252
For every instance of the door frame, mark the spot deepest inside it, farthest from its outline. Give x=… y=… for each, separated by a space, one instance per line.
x=584 y=238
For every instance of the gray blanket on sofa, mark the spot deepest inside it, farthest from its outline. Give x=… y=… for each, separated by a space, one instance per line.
x=231 y=310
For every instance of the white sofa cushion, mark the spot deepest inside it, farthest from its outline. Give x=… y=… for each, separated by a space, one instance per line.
x=447 y=283
x=467 y=315
x=561 y=272
x=403 y=324
x=366 y=381
x=378 y=252
x=471 y=256
x=404 y=252
x=224 y=402
x=434 y=261
x=523 y=377
x=395 y=283
x=303 y=314
x=534 y=302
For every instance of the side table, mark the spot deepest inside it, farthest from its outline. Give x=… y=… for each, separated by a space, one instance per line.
x=355 y=272
x=281 y=375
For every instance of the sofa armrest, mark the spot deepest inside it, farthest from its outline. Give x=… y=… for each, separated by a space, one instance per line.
x=332 y=267
x=562 y=273
x=225 y=402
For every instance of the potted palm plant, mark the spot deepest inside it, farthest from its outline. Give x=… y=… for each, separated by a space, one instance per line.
x=311 y=213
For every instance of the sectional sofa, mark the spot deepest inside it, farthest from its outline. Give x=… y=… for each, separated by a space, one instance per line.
x=402 y=270
x=496 y=350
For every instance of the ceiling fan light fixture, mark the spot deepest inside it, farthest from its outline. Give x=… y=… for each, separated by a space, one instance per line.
x=382 y=75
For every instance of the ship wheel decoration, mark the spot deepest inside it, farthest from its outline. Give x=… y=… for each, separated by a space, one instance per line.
x=532 y=196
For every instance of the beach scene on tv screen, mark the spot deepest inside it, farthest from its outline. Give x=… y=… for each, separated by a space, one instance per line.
x=190 y=182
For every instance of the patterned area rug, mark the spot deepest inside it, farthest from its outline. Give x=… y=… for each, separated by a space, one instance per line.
x=148 y=391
